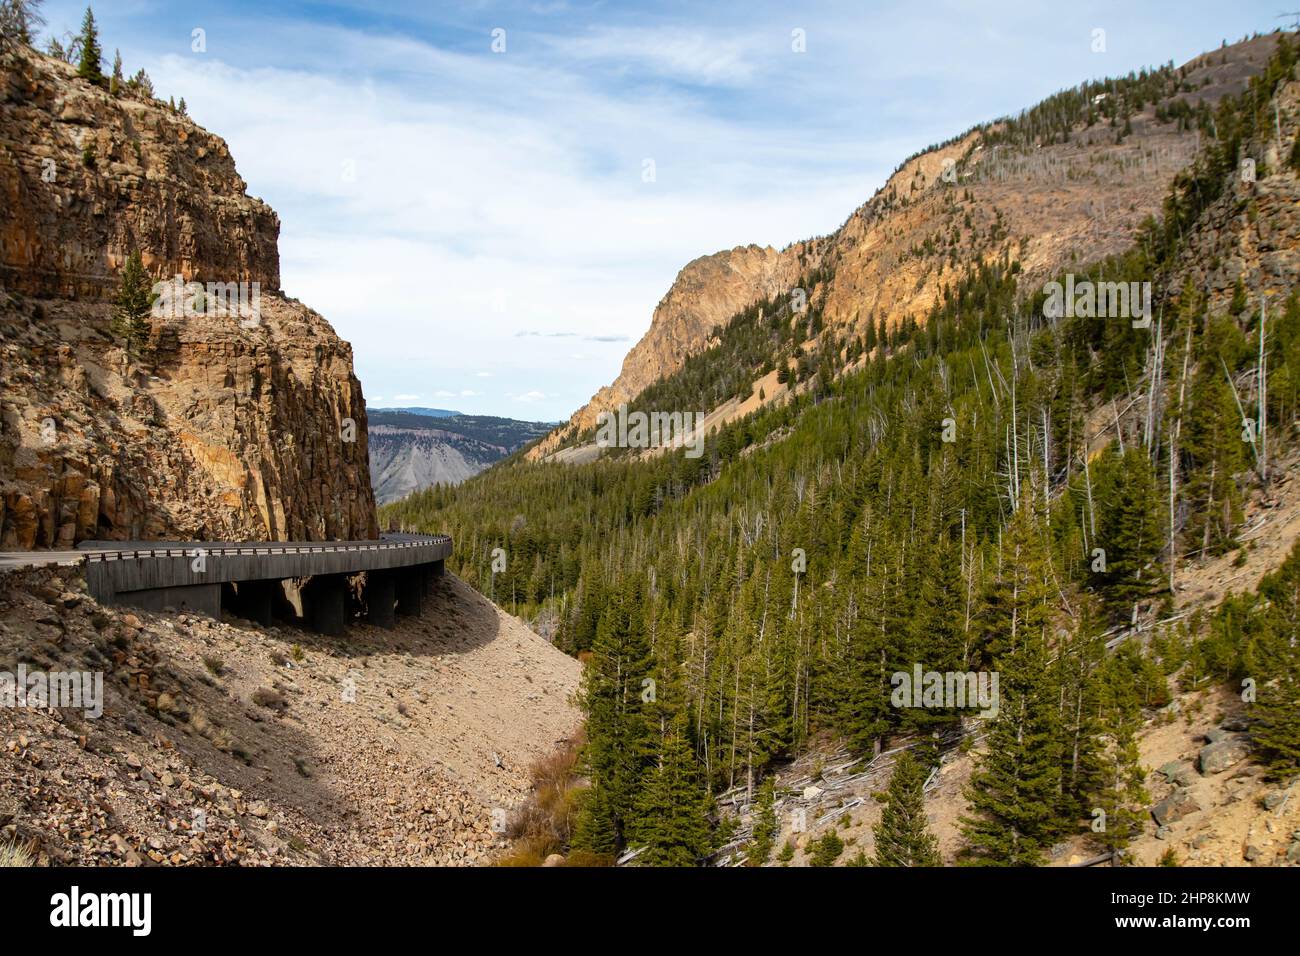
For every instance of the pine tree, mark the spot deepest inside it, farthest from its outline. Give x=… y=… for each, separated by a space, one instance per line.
x=142 y=83
x=1079 y=659
x=1238 y=303
x=91 y=65
x=672 y=809
x=1277 y=731
x=1014 y=792
x=130 y=322
x=19 y=20
x=1213 y=449
x=937 y=628
x=1121 y=795
x=766 y=828
x=618 y=731
x=824 y=852
x=903 y=836
x=1129 y=531
x=115 y=82
x=593 y=830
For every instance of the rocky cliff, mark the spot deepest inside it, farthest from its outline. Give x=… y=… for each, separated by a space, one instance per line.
x=228 y=427
x=1051 y=200
x=706 y=293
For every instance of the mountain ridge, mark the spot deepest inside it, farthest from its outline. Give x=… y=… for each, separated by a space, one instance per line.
x=411 y=450
x=887 y=262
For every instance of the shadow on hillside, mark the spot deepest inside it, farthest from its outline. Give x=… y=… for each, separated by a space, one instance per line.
x=454 y=619
x=230 y=702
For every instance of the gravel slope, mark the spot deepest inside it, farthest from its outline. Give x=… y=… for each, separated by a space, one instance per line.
x=224 y=743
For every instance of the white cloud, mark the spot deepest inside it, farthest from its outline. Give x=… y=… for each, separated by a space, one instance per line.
x=489 y=197
x=708 y=56
x=435 y=198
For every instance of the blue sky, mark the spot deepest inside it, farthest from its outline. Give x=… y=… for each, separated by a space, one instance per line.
x=479 y=224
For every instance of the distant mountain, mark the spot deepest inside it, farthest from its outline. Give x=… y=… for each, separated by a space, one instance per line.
x=426 y=412
x=414 y=448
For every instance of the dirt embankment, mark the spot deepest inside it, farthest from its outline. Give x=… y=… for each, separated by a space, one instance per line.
x=226 y=743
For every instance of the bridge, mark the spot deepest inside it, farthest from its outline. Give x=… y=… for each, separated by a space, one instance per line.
x=322 y=583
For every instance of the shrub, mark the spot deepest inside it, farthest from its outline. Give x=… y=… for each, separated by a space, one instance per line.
x=271 y=699
x=826 y=850
x=544 y=824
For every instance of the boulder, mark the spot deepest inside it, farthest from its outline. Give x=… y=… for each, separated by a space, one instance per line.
x=1175 y=806
x=1223 y=755
x=1179 y=772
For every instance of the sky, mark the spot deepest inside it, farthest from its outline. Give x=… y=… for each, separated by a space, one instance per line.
x=489 y=199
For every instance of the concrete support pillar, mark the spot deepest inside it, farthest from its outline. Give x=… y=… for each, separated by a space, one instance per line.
x=410 y=591
x=255 y=600
x=324 y=602
x=381 y=596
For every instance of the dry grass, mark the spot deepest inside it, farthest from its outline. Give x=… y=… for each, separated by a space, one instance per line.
x=11 y=854
x=544 y=824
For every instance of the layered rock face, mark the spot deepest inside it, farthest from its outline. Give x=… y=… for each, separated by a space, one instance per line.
x=1052 y=206
x=227 y=428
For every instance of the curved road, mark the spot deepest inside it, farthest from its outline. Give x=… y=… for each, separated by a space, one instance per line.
x=119 y=550
x=205 y=575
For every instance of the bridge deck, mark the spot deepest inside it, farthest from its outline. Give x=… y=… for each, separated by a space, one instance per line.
x=190 y=574
x=114 y=568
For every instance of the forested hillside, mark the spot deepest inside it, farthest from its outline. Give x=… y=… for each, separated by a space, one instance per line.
x=990 y=488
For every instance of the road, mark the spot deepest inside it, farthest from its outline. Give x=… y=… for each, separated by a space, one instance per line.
x=206 y=575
